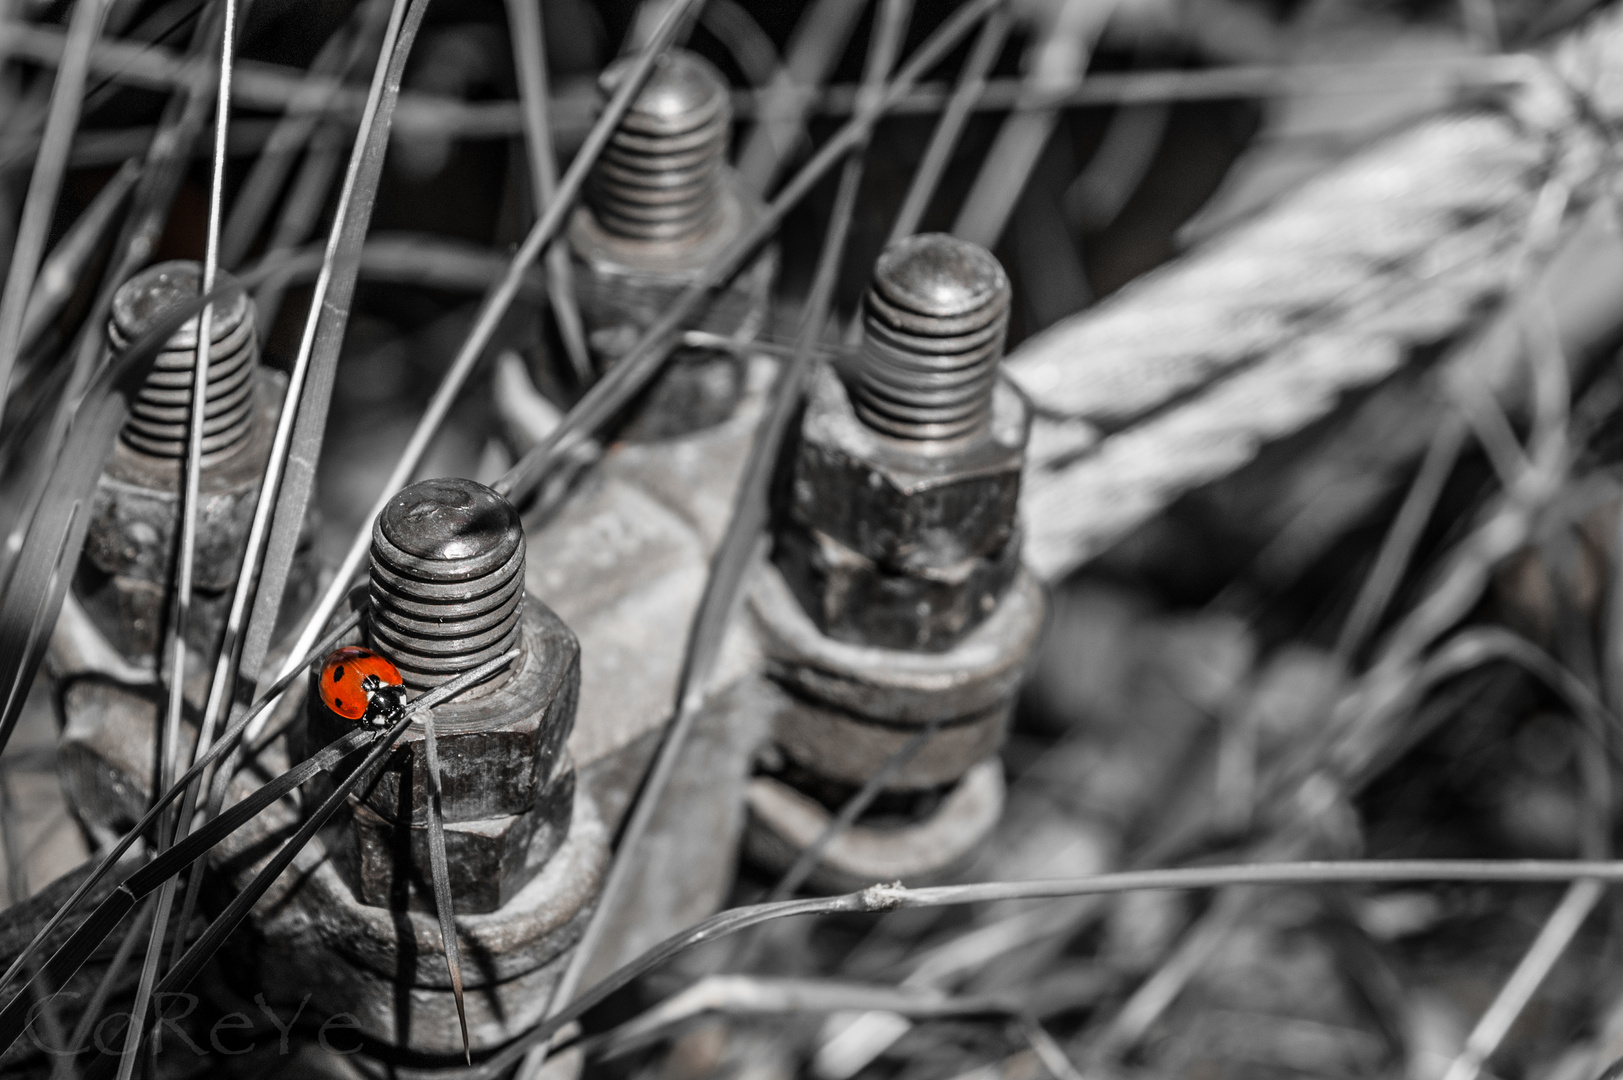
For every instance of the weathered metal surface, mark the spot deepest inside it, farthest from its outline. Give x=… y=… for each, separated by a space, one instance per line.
x=784 y=822
x=900 y=686
x=852 y=599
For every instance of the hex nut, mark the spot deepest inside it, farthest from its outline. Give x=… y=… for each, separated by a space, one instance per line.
x=848 y=749
x=927 y=609
x=784 y=822
x=908 y=505
x=490 y=860
x=497 y=749
x=900 y=686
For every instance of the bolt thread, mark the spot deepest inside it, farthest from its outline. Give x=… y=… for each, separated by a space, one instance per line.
x=447 y=584
x=161 y=413
x=935 y=320
x=659 y=178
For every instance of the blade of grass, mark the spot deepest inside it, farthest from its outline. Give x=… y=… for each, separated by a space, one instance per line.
x=60 y=275
x=46 y=182
x=279 y=513
x=631 y=373
x=1059 y=56
x=55 y=535
x=971 y=85
x=139 y=829
x=819 y=39
x=346 y=48
x=64 y=1068
x=170 y=829
x=878 y=899
x=530 y=63
x=441 y=873
x=495 y=306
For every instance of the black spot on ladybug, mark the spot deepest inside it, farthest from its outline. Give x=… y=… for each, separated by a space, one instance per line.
x=338 y=673
x=337 y=704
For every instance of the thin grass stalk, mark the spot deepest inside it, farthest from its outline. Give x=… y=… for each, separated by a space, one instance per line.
x=46 y=182
x=296 y=446
x=160 y=178
x=819 y=39
x=971 y=85
x=878 y=899
x=1048 y=1051
x=1552 y=941
x=530 y=62
x=139 y=829
x=64 y=1068
x=60 y=274
x=494 y=307
x=170 y=829
x=304 y=113
x=1398 y=546
x=441 y=872
x=632 y=372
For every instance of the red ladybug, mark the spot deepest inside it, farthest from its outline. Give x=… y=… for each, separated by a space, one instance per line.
x=357 y=683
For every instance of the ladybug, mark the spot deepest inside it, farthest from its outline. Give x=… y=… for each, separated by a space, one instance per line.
x=359 y=684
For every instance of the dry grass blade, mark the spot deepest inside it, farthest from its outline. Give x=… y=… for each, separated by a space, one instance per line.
x=441 y=872
x=296 y=446
x=56 y=530
x=634 y=370
x=878 y=899
x=971 y=85
x=49 y=166
x=530 y=62
x=1553 y=939
x=495 y=306
x=1048 y=1051
x=1059 y=57
x=342 y=51
x=139 y=829
x=63 y=268
x=185 y=559
x=1399 y=544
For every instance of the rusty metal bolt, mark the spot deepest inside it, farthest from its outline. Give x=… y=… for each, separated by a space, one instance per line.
x=123 y=579
x=161 y=412
x=447 y=593
x=660 y=177
x=661 y=206
x=934 y=323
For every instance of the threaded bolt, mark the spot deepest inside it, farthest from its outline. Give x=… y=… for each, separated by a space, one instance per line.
x=660 y=176
x=936 y=317
x=447 y=579
x=162 y=408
